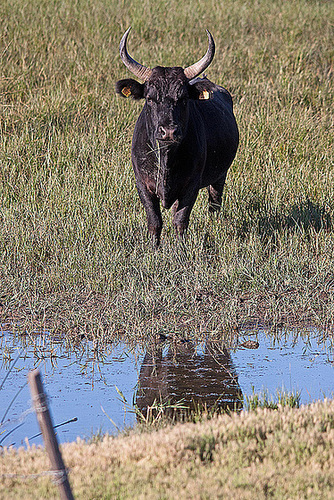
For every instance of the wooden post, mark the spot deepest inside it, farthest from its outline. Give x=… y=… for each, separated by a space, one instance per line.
x=49 y=437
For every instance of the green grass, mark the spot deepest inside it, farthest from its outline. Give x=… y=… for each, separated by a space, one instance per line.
x=74 y=253
x=264 y=400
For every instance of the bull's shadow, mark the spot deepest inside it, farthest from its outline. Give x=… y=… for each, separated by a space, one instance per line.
x=306 y=216
x=183 y=380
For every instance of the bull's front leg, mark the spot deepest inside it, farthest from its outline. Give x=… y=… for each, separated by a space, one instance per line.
x=152 y=207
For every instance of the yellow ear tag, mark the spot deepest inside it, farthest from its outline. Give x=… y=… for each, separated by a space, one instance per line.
x=126 y=91
x=204 y=95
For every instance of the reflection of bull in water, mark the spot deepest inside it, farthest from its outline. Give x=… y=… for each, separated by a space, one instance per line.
x=185 y=377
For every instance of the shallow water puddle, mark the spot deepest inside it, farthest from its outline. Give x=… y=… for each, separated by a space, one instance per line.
x=76 y=384
x=292 y=363
x=81 y=386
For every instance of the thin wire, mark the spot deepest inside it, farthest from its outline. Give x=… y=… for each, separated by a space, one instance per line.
x=10 y=432
x=59 y=475
x=74 y=419
x=20 y=418
x=10 y=369
x=40 y=402
x=11 y=403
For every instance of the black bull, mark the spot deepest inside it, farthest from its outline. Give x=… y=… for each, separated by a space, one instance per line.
x=185 y=138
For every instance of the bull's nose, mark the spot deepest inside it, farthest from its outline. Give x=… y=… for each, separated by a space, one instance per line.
x=167 y=134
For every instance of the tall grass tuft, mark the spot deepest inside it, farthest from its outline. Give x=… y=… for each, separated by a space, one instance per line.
x=281 y=399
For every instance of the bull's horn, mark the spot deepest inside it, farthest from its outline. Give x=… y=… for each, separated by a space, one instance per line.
x=200 y=66
x=140 y=71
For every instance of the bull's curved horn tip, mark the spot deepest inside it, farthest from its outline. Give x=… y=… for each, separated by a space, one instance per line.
x=210 y=36
x=195 y=69
x=123 y=39
x=139 y=70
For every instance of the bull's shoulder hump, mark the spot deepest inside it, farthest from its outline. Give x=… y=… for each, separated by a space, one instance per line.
x=221 y=93
x=208 y=84
x=217 y=91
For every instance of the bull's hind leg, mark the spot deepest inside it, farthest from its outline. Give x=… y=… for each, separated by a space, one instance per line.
x=181 y=212
x=215 y=195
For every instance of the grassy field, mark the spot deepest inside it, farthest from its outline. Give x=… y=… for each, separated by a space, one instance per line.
x=287 y=453
x=74 y=253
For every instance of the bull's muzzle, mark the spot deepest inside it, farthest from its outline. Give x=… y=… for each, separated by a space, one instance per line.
x=168 y=134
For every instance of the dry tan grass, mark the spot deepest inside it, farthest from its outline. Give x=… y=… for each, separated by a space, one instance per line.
x=282 y=454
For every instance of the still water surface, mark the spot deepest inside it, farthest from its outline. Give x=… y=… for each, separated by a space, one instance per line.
x=80 y=386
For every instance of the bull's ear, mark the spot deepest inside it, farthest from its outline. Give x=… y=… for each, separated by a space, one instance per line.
x=200 y=90
x=130 y=88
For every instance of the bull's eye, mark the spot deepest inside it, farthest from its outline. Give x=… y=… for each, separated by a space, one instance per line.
x=149 y=99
